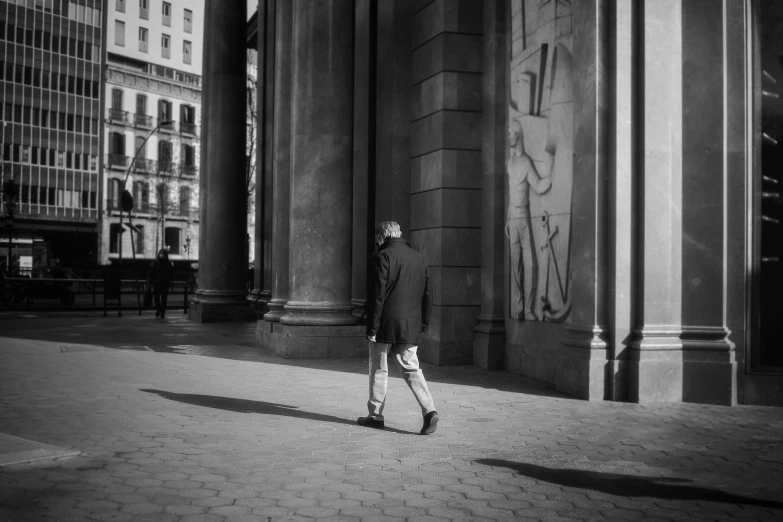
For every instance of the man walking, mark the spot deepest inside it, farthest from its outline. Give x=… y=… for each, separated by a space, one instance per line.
x=399 y=312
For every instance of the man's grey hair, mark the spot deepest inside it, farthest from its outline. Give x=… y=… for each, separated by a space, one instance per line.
x=387 y=229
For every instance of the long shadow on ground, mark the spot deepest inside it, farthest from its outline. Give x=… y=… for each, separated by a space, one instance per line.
x=232 y=341
x=262 y=407
x=668 y=488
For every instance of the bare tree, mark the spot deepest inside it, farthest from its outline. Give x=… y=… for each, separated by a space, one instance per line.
x=252 y=130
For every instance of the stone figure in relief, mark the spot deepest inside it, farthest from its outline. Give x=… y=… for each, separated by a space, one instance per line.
x=522 y=176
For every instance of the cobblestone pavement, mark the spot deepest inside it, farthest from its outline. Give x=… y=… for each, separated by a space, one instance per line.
x=183 y=422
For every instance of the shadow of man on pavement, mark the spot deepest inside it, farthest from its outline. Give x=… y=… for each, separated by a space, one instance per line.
x=262 y=407
x=668 y=488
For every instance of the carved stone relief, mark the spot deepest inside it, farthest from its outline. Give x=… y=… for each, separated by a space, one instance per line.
x=539 y=167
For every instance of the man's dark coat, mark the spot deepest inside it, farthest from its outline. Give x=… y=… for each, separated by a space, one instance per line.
x=401 y=302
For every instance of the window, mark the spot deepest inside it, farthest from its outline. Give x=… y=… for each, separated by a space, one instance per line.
x=164 y=156
x=144 y=9
x=166 y=11
x=188 y=156
x=184 y=201
x=140 y=148
x=186 y=52
x=164 y=112
x=117 y=144
x=116 y=99
x=139 y=239
x=115 y=189
x=141 y=104
x=119 y=5
x=173 y=240
x=119 y=33
x=114 y=238
x=165 y=46
x=188 y=21
x=141 y=196
x=143 y=39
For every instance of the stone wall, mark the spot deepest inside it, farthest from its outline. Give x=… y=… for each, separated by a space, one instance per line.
x=446 y=170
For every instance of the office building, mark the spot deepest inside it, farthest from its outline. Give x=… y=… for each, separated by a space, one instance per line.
x=50 y=84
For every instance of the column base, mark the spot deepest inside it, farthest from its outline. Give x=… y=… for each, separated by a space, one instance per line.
x=218 y=307
x=489 y=342
x=584 y=370
x=275 y=310
x=258 y=301
x=312 y=342
x=301 y=313
x=688 y=365
x=359 y=309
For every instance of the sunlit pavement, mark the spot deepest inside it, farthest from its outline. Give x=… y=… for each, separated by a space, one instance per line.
x=176 y=421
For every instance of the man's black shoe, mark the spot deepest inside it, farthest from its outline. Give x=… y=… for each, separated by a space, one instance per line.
x=370 y=422
x=430 y=423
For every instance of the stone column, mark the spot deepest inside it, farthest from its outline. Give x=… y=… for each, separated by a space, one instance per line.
x=265 y=44
x=490 y=333
x=322 y=157
x=365 y=45
x=223 y=213
x=583 y=356
x=281 y=188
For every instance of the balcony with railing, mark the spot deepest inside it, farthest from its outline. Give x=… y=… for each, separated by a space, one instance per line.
x=189 y=170
x=118 y=116
x=168 y=127
x=142 y=121
x=187 y=128
x=117 y=160
x=165 y=166
x=144 y=165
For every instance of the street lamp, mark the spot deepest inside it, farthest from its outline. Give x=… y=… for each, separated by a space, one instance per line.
x=126 y=204
x=10 y=195
x=186 y=246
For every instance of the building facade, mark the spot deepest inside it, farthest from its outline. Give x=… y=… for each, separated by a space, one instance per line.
x=152 y=132
x=594 y=185
x=50 y=84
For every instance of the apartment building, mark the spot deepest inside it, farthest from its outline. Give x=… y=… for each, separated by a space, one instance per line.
x=51 y=97
x=151 y=135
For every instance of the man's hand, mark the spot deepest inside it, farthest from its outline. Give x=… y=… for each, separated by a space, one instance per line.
x=371 y=338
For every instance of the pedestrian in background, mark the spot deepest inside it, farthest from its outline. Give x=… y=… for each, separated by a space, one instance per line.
x=160 y=277
x=399 y=311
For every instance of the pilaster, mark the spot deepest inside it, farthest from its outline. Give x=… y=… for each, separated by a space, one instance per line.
x=490 y=333
x=446 y=181
x=583 y=368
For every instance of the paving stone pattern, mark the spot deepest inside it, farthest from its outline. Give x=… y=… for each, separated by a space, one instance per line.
x=183 y=422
